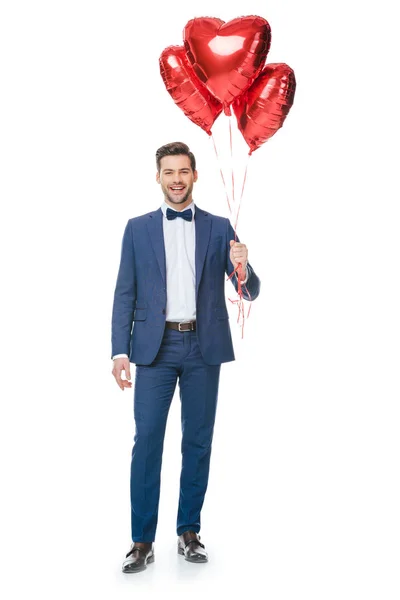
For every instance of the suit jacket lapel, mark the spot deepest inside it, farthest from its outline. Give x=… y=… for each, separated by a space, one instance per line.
x=155 y=227
x=203 y=229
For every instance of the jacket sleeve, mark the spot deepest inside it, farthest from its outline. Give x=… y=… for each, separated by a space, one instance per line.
x=124 y=297
x=252 y=287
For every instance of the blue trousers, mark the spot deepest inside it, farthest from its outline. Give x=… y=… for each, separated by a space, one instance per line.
x=179 y=359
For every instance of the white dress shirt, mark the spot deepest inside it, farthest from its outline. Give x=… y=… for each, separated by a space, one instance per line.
x=180 y=245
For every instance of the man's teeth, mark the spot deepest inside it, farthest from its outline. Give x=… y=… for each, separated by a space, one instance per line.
x=177 y=188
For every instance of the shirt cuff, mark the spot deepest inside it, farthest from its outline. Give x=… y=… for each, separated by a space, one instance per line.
x=120 y=356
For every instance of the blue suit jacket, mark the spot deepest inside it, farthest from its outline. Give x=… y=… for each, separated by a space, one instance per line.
x=140 y=296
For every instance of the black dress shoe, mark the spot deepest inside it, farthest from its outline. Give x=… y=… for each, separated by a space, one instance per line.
x=191 y=548
x=138 y=557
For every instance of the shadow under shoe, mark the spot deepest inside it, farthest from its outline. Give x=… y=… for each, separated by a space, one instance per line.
x=138 y=557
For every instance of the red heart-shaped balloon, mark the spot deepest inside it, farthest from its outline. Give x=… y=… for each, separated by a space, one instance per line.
x=261 y=111
x=186 y=90
x=227 y=57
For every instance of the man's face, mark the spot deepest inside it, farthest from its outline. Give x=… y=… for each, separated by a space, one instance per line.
x=176 y=178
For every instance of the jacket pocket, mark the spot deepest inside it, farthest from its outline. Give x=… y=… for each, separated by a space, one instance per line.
x=221 y=312
x=140 y=314
x=216 y=240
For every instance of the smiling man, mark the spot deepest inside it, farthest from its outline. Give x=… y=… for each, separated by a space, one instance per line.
x=171 y=289
x=176 y=177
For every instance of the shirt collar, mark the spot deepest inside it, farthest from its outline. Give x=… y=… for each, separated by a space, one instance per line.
x=164 y=207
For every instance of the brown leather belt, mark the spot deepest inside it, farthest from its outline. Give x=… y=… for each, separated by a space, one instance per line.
x=188 y=326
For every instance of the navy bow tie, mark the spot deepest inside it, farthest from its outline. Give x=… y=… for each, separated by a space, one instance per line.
x=185 y=214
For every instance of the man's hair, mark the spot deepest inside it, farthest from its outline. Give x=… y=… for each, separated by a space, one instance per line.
x=175 y=149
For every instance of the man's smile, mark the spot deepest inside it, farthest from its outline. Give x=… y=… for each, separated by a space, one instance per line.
x=177 y=189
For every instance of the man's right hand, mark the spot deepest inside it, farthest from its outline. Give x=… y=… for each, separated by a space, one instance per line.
x=122 y=364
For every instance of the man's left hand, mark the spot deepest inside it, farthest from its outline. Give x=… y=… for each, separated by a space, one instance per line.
x=238 y=255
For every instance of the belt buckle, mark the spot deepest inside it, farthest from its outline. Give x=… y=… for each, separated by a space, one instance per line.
x=179 y=327
x=190 y=326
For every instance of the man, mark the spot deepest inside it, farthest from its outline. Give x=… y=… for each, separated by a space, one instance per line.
x=171 y=287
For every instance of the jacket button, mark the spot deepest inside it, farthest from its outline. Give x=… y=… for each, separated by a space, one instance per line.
x=163 y=311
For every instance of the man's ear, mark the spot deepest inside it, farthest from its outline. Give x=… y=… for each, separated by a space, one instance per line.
x=158 y=177
x=195 y=174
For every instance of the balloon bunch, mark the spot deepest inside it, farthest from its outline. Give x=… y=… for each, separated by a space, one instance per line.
x=221 y=65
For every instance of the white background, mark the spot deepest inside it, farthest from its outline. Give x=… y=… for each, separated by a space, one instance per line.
x=304 y=485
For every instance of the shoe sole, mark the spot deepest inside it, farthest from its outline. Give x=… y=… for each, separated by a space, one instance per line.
x=139 y=569
x=192 y=560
